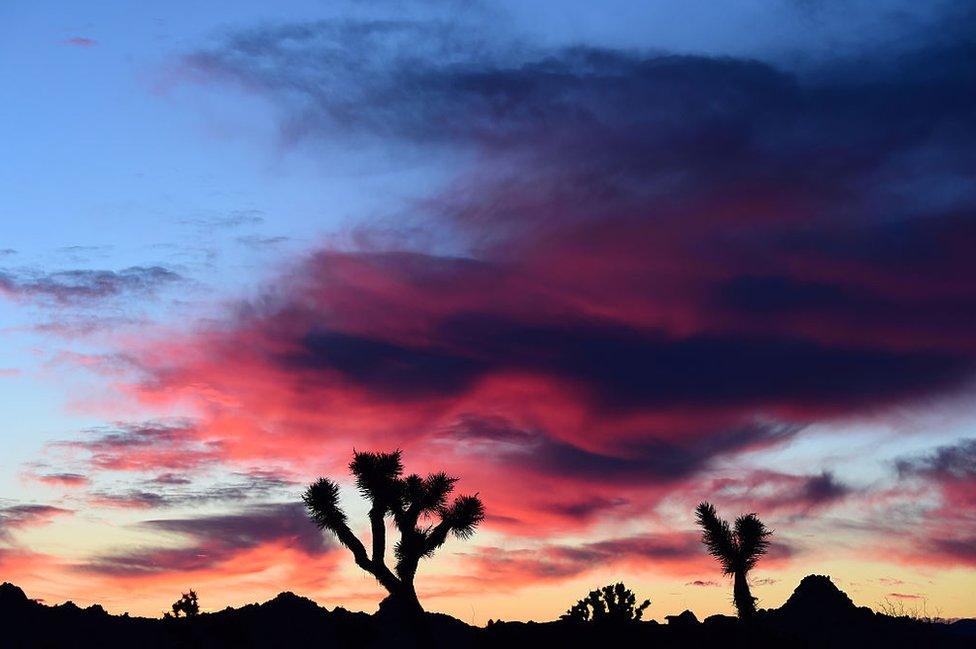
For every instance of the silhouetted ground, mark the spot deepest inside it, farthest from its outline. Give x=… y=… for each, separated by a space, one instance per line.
x=818 y=614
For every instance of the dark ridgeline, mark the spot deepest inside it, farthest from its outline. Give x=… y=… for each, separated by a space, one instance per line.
x=738 y=549
x=817 y=615
x=411 y=502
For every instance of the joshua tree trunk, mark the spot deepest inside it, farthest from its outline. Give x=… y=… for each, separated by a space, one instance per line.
x=403 y=620
x=402 y=601
x=745 y=603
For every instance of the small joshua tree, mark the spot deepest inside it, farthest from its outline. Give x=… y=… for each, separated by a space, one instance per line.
x=738 y=550
x=186 y=605
x=411 y=502
x=613 y=603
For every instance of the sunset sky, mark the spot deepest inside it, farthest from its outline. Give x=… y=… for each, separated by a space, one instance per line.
x=599 y=260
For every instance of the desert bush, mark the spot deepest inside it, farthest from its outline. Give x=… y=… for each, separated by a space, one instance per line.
x=612 y=603
x=186 y=606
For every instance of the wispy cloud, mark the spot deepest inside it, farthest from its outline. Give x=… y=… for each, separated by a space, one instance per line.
x=16 y=517
x=80 y=41
x=71 y=287
x=216 y=539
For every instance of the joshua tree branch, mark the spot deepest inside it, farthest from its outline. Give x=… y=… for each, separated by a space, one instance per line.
x=717 y=537
x=378 y=528
x=379 y=570
x=437 y=536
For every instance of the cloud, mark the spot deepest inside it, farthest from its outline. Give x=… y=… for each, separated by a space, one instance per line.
x=72 y=287
x=230 y=221
x=677 y=553
x=765 y=140
x=171 y=490
x=770 y=493
x=622 y=368
x=557 y=562
x=261 y=243
x=652 y=262
x=956 y=462
x=646 y=263
x=496 y=439
x=15 y=517
x=945 y=532
x=144 y=447
x=905 y=596
x=64 y=480
x=214 y=540
x=81 y=41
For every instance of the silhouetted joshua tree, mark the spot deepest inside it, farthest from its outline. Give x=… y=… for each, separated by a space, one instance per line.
x=411 y=501
x=614 y=604
x=187 y=606
x=736 y=549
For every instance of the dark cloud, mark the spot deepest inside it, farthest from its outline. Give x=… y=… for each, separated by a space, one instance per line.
x=947 y=532
x=216 y=539
x=171 y=490
x=625 y=368
x=81 y=41
x=952 y=462
x=145 y=446
x=648 y=462
x=645 y=261
x=611 y=119
x=63 y=479
x=229 y=221
x=773 y=493
x=823 y=488
x=565 y=561
x=82 y=286
x=171 y=479
x=691 y=161
x=957 y=550
x=387 y=368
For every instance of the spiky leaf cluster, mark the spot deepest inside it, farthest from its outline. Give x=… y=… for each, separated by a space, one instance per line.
x=614 y=603
x=322 y=502
x=737 y=548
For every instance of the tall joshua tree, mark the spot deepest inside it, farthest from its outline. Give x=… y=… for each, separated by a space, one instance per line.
x=737 y=548
x=420 y=512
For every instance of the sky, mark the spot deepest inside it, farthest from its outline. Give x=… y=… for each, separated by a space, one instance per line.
x=599 y=261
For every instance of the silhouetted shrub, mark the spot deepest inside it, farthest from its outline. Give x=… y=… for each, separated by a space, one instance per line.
x=186 y=606
x=613 y=603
